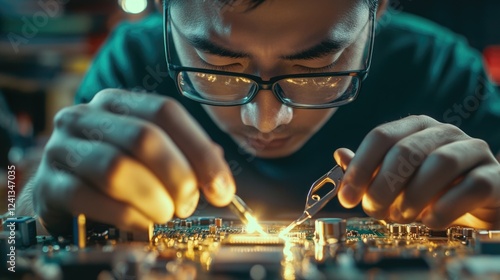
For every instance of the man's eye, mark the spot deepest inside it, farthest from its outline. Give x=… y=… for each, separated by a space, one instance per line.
x=228 y=67
x=326 y=68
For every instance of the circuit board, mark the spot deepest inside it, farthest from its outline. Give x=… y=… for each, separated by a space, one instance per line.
x=213 y=248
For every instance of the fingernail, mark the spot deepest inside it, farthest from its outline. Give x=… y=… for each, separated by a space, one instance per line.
x=221 y=185
x=190 y=207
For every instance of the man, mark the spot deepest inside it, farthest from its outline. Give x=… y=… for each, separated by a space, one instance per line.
x=263 y=82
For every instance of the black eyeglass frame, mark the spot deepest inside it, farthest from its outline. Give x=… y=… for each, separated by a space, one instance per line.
x=175 y=70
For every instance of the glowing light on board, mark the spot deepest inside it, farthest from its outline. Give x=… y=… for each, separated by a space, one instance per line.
x=134 y=6
x=253 y=226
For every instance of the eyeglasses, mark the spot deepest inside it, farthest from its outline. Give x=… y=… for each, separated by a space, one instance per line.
x=305 y=91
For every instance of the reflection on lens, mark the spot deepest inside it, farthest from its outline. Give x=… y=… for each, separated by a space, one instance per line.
x=214 y=87
x=208 y=77
x=317 y=90
x=320 y=81
x=218 y=89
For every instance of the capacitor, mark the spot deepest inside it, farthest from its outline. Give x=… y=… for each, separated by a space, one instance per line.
x=397 y=229
x=218 y=222
x=80 y=231
x=330 y=230
x=412 y=229
x=205 y=221
x=213 y=229
x=403 y=229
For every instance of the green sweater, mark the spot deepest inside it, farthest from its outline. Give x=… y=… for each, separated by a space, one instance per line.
x=418 y=67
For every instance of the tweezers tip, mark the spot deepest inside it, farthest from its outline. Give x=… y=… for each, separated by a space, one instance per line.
x=288 y=229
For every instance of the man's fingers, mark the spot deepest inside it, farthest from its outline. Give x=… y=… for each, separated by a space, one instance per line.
x=68 y=195
x=440 y=170
x=372 y=151
x=205 y=158
x=402 y=162
x=115 y=174
x=149 y=145
x=420 y=168
x=476 y=191
x=343 y=157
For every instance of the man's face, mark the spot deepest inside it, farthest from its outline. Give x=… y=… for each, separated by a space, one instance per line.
x=278 y=37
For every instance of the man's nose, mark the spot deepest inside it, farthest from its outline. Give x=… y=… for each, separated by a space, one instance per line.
x=266 y=112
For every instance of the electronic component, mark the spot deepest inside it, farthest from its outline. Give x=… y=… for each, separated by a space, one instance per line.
x=330 y=230
x=252 y=239
x=327 y=248
x=80 y=231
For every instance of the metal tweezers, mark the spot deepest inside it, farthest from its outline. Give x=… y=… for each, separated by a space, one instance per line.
x=315 y=202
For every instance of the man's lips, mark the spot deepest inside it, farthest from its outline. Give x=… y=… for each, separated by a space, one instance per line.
x=265 y=144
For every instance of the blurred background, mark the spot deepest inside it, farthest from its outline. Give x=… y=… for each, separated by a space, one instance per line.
x=47 y=45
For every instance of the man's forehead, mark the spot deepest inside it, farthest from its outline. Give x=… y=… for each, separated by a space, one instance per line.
x=295 y=21
x=194 y=10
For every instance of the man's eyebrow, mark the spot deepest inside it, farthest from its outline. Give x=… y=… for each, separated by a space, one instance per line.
x=208 y=46
x=324 y=48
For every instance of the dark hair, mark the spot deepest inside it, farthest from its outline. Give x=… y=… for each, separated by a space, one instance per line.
x=254 y=3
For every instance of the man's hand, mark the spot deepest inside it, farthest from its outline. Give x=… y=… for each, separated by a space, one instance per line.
x=128 y=159
x=420 y=169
